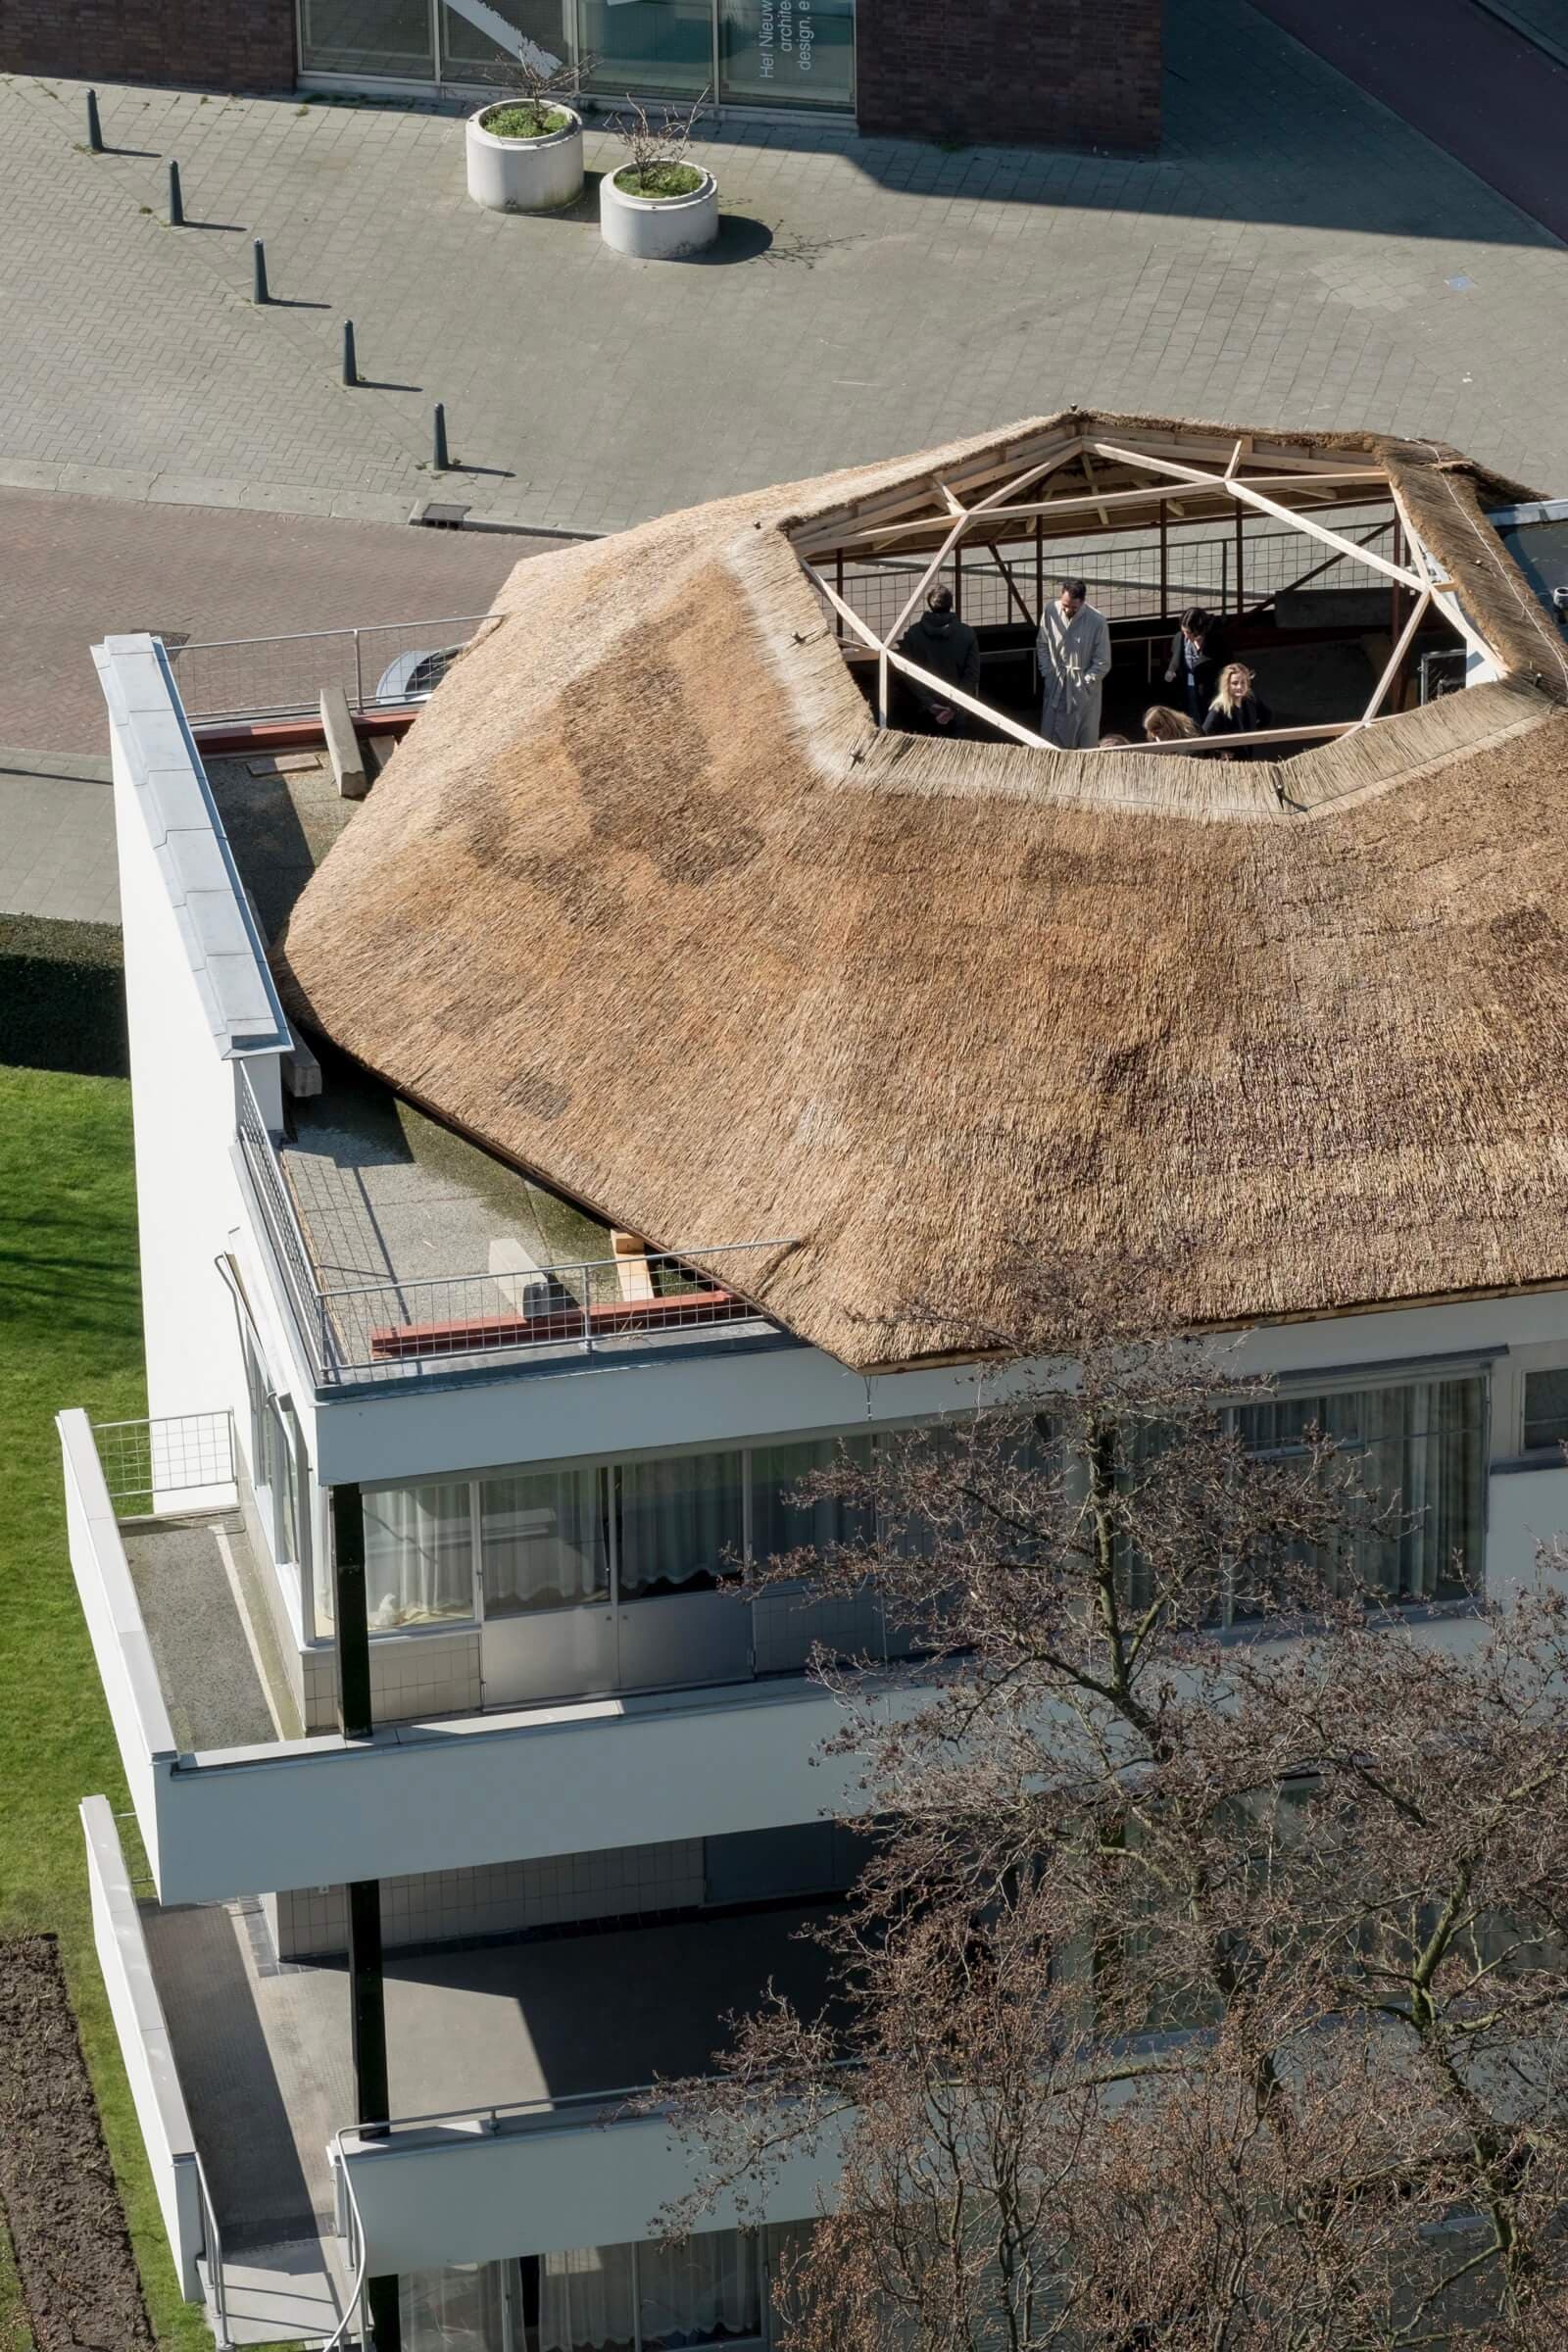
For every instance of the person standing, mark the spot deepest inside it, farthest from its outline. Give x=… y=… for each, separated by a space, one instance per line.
x=949 y=649
x=1074 y=654
x=1237 y=711
x=1194 y=661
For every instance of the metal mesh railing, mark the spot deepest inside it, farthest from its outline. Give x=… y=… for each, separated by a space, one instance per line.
x=144 y=1461
x=595 y=1306
x=1128 y=578
x=282 y=1224
x=591 y=1306
x=385 y=667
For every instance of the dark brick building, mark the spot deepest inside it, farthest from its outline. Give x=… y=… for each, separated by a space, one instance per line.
x=1045 y=73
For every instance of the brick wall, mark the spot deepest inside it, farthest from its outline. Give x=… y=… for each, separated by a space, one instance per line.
x=1036 y=72
x=206 y=44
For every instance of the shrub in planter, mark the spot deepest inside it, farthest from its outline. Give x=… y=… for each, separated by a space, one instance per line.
x=660 y=205
x=524 y=153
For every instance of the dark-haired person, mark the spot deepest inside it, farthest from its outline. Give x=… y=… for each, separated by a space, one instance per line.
x=946 y=647
x=1195 y=662
x=1237 y=711
x=1168 y=726
x=1073 y=653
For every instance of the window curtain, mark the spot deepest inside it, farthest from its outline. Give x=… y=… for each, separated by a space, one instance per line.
x=707 y=2291
x=587 y=2299
x=457 y=2309
x=681 y=1523
x=781 y=1524
x=1420 y=1446
x=418 y=1555
x=542 y=1542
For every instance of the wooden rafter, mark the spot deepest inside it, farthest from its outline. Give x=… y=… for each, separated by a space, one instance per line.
x=1395 y=661
x=1147 y=494
x=1244 y=490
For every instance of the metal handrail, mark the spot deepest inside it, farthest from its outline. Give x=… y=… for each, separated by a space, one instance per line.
x=216 y=645
x=283 y=1225
x=213 y=2248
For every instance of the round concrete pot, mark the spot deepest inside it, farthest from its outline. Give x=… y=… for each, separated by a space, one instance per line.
x=657 y=229
x=524 y=175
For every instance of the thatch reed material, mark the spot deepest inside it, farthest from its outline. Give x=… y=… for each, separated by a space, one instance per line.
x=647 y=906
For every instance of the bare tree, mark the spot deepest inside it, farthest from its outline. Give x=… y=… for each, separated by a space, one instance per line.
x=658 y=147
x=1208 y=1989
x=543 y=83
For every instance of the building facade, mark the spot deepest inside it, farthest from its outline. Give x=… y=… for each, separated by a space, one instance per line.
x=1003 y=71
x=476 y=1784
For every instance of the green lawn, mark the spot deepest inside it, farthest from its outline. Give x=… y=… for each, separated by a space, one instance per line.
x=70 y=1335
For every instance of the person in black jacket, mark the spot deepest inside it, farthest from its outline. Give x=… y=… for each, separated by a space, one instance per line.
x=1237 y=711
x=1195 y=662
x=946 y=647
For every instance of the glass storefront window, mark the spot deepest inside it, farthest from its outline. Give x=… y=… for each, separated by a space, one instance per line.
x=468 y=55
x=390 y=39
x=787 y=52
x=661 y=47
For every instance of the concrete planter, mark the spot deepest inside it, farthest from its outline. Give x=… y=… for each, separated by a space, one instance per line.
x=524 y=175
x=657 y=229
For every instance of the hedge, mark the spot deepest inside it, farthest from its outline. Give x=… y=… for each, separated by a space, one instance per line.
x=62 y=997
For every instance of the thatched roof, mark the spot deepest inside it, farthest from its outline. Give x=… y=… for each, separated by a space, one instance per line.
x=647 y=906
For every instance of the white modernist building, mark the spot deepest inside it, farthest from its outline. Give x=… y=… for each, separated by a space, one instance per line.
x=535 y=1163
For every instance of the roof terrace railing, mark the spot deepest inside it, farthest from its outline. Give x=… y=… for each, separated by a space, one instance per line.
x=179 y=1453
x=385 y=667
x=592 y=1306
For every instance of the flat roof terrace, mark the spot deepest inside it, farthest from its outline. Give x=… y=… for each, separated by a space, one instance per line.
x=263 y=2049
x=403 y=1245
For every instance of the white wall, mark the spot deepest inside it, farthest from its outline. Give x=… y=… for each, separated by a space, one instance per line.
x=461 y=2193
x=493 y=1788
x=144 y=2042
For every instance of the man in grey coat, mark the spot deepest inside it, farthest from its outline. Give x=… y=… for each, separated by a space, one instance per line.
x=1073 y=652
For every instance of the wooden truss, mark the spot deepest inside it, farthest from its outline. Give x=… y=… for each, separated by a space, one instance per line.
x=1187 y=478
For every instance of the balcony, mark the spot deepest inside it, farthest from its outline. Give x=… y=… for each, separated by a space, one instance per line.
x=366 y=1205
x=509 y=2064
x=232 y=1800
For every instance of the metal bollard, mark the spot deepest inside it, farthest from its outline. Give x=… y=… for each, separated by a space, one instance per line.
x=259 y=290
x=442 y=461
x=176 y=202
x=351 y=365
x=95 y=134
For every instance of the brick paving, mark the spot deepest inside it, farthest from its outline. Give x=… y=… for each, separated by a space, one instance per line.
x=77 y=568
x=1296 y=253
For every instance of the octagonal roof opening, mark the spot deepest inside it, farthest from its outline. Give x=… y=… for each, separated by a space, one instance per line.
x=1300 y=562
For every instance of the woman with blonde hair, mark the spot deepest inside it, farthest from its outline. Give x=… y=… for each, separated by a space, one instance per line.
x=1236 y=709
x=1168 y=726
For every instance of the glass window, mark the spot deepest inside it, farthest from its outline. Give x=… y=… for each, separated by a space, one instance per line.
x=542 y=1540
x=707 y=2291
x=780 y=1523
x=1422 y=1445
x=418 y=1555
x=588 y=2299
x=654 y=46
x=787 y=52
x=386 y=37
x=1546 y=1409
x=456 y=2309
x=469 y=55
x=681 y=1523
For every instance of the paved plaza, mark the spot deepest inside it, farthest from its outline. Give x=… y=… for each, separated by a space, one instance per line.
x=1296 y=255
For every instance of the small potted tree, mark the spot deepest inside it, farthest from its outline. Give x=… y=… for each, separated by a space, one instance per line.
x=660 y=205
x=525 y=150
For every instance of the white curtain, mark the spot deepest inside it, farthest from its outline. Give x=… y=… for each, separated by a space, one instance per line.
x=587 y=2299
x=704 y=2292
x=418 y=1555
x=681 y=1522
x=542 y=1540
x=598 y=2299
x=457 y=2309
x=780 y=1523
